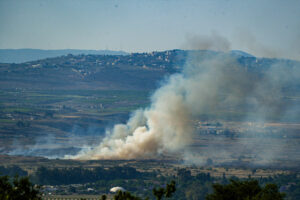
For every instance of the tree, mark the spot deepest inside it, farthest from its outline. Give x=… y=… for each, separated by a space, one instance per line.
x=5 y=187
x=269 y=192
x=245 y=190
x=158 y=193
x=125 y=196
x=19 y=189
x=167 y=192
x=184 y=175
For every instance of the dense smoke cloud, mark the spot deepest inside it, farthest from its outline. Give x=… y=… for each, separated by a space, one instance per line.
x=211 y=84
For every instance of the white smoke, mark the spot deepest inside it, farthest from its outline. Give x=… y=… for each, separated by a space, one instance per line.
x=212 y=85
x=164 y=126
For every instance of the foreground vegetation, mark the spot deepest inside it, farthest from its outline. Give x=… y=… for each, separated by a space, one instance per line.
x=236 y=190
x=18 y=189
x=97 y=181
x=245 y=190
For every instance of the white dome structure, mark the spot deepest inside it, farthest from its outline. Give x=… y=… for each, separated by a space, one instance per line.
x=116 y=189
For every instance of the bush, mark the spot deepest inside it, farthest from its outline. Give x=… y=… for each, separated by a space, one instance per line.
x=245 y=190
x=19 y=189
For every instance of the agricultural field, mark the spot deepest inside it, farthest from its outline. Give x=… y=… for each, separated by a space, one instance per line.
x=50 y=117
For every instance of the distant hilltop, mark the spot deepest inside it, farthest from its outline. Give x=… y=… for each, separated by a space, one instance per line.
x=135 y=71
x=25 y=55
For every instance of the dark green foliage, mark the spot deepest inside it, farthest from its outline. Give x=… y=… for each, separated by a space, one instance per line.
x=158 y=193
x=167 y=192
x=76 y=175
x=183 y=174
x=170 y=189
x=295 y=191
x=203 y=177
x=245 y=190
x=269 y=192
x=192 y=187
x=12 y=171
x=125 y=196
x=19 y=189
x=5 y=187
x=196 y=190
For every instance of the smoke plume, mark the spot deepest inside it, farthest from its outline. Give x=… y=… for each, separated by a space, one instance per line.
x=210 y=85
x=215 y=42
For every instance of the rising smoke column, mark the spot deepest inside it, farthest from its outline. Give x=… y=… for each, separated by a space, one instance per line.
x=164 y=126
x=209 y=83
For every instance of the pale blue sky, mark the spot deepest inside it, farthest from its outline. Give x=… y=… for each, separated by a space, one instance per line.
x=261 y=27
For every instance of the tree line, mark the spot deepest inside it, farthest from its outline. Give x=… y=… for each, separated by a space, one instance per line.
x=78 y=175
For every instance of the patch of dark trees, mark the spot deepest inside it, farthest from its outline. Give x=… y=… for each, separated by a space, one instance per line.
x=12 y=171
x=78 y=175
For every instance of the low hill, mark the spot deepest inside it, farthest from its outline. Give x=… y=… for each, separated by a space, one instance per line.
x=137 y=71
x=134 y=71
x=25 y=55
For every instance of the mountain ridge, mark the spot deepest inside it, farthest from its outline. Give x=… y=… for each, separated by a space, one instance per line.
x=28 y=54
x=137 y=71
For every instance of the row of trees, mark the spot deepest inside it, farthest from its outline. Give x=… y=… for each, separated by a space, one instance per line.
x=78 y=175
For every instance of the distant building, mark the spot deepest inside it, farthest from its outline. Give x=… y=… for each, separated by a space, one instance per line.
x=116 y=189
x=90 y=189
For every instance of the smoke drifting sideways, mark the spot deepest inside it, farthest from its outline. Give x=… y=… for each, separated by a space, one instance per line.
x=49 y=146
x=210 y=83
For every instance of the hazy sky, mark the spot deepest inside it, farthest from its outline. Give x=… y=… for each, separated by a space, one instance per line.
x=263 y=28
